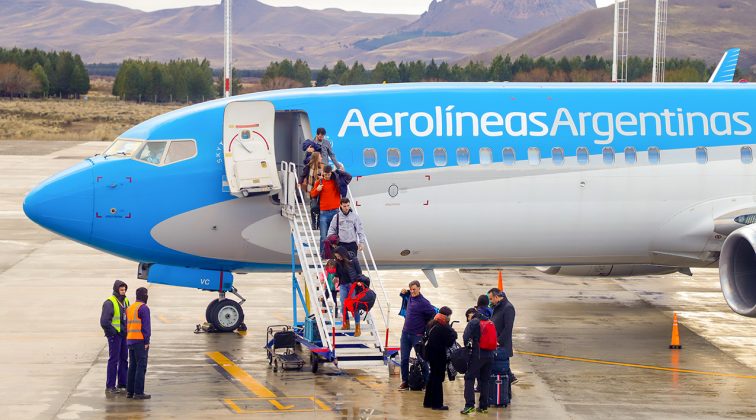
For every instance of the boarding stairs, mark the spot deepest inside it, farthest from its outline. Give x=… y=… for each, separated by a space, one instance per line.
x=350 y=352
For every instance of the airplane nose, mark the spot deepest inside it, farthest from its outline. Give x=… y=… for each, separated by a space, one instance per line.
x=64 y=203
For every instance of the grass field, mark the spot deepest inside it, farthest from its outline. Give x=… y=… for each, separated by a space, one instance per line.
x=96 y=118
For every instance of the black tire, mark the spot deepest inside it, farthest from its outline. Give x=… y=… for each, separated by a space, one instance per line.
x=314 y=363
x=227 y=315
x=275 y=365
x=209 y=310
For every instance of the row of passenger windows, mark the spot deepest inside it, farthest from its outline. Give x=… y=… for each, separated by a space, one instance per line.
x=508 y=157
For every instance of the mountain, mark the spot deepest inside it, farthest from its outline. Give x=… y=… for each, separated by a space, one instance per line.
x=513 y=17
x=699 y=29
x=450 y=30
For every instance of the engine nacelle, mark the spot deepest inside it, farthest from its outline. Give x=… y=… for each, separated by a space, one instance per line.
x=624 y=270
x=737 y=270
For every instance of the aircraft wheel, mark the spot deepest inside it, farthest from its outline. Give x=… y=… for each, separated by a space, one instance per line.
x=209 y=311
x=245 y=193
x=227 y=315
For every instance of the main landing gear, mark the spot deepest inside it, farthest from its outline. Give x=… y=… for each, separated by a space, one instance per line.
x=226 y=315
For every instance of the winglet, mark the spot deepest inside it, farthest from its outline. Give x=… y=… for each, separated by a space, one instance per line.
x=725 y=71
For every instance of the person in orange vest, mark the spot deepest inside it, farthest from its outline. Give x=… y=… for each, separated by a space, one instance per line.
x=113 y=323
x=138 y=340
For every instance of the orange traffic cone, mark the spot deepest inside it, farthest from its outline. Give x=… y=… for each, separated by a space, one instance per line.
x=675 y=343
x=501 y=282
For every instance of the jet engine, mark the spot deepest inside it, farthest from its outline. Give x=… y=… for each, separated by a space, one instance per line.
x=624 y=270
x=737 y=270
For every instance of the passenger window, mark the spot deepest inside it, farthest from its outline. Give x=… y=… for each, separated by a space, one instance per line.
x=370 y=157
x=180 y=150
x=746 y=155
x=631 y=156
x=534 y=156
x=486 y=155
x=702 y=155
x=608 y=156
x=439 y=156
x=394 y=157
x=557 y=156
x=508 y=156
x=582 y=155
x=463 y=156
x=416 y=157
x=654 y=155
x=152 y=152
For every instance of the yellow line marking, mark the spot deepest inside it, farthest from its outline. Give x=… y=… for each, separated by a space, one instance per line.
x=633 y=365
x=280 y=406
x=368 y=381
x=233 y=406
x=241 y=375
x=320 y=404
x=163 y=319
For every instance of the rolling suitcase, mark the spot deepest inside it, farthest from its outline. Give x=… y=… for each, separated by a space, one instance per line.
x=499 y=390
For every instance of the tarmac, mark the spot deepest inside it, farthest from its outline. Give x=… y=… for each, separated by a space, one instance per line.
x=586 y=347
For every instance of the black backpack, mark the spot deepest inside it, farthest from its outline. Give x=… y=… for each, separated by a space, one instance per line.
x=416 y=380
x=460 y=358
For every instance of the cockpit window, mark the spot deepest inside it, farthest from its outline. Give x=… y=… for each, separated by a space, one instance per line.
x=123 y=147
x=152 y=152
x=180 y=150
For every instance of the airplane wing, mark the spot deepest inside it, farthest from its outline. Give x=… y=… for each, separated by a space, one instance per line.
x=725 y=71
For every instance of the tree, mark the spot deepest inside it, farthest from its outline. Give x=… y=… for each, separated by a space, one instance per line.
x=501 y=69
x=39 y=73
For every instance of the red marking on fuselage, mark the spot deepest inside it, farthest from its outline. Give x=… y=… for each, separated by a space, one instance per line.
x=130 y=179
x=97 y=215
x=262 y=137
x=427 y=177
x=426 y=203
x=99 y=178
x=248 y=126
x=232 y=141
x=129 y=216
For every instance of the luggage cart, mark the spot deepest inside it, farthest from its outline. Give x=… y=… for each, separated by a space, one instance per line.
x=282 y=337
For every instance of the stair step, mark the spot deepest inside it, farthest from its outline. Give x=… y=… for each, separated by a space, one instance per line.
x=359 y=364
x=364 y=352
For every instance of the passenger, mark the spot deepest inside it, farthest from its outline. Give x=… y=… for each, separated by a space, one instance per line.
x=323 y=145
x=348 y=227
x=441 y=336
x=347 y=270
x=330 y=270
x=480 y=362
x=483 y=305
x=113 y=322
x=311 y=173
x=138 y=338
x=327 y=191
x=417 y=315
x=342 y=179
x=503 y=317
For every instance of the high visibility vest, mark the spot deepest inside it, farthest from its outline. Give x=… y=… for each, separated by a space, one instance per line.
x=134 y=323
x=116 y=321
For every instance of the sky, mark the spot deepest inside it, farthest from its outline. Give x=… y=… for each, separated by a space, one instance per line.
x=413 y=7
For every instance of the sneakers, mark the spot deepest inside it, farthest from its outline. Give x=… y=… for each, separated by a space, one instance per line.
x=142 y=396
x=129 y=395
x=467 y=410
x=482 y=410
x=111 y=390
x=403 y=386
x=121 y=388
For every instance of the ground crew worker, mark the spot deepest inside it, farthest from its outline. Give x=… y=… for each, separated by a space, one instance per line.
x=113 y=323
x=138 y=338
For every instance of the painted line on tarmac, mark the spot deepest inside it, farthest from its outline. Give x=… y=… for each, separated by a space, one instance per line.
x=241 y=375
x=369 y=382
x=634 y=365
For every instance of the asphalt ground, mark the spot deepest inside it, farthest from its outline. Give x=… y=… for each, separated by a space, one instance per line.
x=587 y=347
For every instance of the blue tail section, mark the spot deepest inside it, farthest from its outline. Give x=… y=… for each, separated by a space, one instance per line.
x=725 y=71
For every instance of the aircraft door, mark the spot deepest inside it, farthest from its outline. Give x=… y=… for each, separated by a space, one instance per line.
x=248 y=145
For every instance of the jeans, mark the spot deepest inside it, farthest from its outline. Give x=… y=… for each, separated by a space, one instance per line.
x=343 y=291
x=118 y=363
x=325 y=221
x=137 y=368
x=407 y=343
x=480 y=369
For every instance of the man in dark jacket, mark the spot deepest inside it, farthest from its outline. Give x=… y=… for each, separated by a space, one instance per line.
x=419 y=312
x=320 y=144
x=441 y=336
x=480 y=363
x=138 y=339
x=113 y=323
x=503 y=317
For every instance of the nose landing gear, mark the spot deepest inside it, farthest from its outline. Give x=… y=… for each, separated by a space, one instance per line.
x=226 y=315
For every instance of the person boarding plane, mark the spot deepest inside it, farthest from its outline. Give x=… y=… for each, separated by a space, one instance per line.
x=584 y=179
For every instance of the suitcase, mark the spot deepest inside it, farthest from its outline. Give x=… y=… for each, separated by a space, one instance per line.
x=311 y=332
x=499 y=390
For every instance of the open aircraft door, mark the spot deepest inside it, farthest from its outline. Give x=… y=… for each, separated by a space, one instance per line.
x=248 y=146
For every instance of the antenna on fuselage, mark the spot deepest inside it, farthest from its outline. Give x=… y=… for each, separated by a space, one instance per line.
x=621 y=40
x=660 y=41
x=227 y=49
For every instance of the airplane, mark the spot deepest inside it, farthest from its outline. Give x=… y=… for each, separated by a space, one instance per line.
x=576 y=178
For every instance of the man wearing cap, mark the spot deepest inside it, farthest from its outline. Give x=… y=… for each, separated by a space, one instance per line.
x=138 y=339
x=113 y=323
x=503 y=318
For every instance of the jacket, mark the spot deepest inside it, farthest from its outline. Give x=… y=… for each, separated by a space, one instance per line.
x=347 y=270
x=347 y=226
x=472 y=336
x=342 y=179
x=504 y=317
x=106 y=315
x=144 y=315
x=419 y=313
x=329 y=196
x=440 y=338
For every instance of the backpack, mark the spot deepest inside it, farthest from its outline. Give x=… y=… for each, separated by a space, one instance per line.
x=415 y=379
x=487 y=335
x=460 y=358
